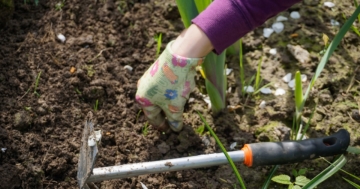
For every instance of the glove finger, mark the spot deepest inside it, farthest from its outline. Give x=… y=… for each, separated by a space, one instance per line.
x=174 y=117
x=154 y=115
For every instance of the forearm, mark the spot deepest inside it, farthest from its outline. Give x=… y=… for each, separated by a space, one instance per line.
x=226 y=21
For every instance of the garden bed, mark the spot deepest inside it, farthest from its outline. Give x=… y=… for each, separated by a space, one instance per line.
x=41 y=127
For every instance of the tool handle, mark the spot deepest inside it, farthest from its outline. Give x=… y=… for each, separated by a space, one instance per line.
x=276 y=153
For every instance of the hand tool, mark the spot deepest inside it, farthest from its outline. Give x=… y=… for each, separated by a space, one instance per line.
x=256 y=154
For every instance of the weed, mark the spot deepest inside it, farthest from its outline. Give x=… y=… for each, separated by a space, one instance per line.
x=96 y=106
x=200 y=130
x=59 y=5
x=78 y=91
x=145 y=129
x=158 y=39
x=37 y=84
x=285 y=179
x=90 y=70
x=27 y=108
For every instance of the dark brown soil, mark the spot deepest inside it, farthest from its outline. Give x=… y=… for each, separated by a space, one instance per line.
x=41 y=120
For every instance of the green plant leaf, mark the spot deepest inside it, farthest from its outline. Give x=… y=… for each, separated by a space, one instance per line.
x=188 y=11
x=302 y=171
x=237 y=174
x=353 y=150
x=202 y=4
x=291 y=186
x=282 y=179
x=352 y=183
x=294 y=172
x=296 y=187
x=333 y=45
x=301 y=180
x=200 y=129
x=326 y=173
x=298 y=94
x=268 y=179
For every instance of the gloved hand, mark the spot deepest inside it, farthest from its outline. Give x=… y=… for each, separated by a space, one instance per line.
x=165 y=87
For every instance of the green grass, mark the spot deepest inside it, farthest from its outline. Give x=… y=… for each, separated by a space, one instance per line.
x=158 y=39
x=145 y=129
x=218 y=142
x=96 y=106
x=37 y=84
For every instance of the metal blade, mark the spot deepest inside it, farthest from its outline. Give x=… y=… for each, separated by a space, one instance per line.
x=88 y=153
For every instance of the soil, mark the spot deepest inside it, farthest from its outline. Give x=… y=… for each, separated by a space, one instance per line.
x=48 y=87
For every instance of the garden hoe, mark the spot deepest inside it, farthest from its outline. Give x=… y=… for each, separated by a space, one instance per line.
x=266 y=153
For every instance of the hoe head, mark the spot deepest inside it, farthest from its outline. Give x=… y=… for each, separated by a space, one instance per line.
x=88 y=152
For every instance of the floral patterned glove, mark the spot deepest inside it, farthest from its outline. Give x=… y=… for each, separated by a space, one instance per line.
x=165 y=87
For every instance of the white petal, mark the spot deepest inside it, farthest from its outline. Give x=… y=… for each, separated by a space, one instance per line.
x=287 y=77
x=334 y=22
x=295 y=15
x=61 y=37
x=278 y=27
x=281 y=18
x=249 y=89
x=329 y=4
x=273 y=51
x=267 y=32
x=143 y=185
x=233 y=145
x=228 y=71
x=279 y=92
x=128 y=67
x=266 y=90
x=292 y=83
x=303 y=77
x=262 y=104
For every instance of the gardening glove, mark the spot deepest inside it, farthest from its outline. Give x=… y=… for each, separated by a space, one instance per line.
x=165 y=87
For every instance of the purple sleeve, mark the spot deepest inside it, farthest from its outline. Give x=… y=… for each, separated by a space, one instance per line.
x=226 y=21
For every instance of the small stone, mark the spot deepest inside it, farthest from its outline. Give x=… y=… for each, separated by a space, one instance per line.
x=329 y=4
x=334 y=22
x=208 y=102
x=61 y=37
x=355 y=115
x=281 y=18
x=249 y=89
x=233 y=145
x=302 y=55
x=22 y=120
x=262 y=104
x=265 y=90
x=3 y=150
x=273 y=51
x=287 y=77
x=163 y=148
x=278 y=27
x=127 y=67
x=267 y=32
x=295 y=15
x=279 y=92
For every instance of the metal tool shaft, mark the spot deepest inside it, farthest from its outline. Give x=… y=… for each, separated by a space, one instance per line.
x=136 y=169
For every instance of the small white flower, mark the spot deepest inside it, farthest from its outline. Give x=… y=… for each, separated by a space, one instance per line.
x=273 y=51
x=287 y=77
x=249 y=89
x=262 y=104
x=295 y=15
x=279 y=92
x=61 y=37
x=278 y=27
x=267 y=32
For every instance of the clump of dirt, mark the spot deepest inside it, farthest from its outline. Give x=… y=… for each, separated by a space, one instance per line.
x=42 y=115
